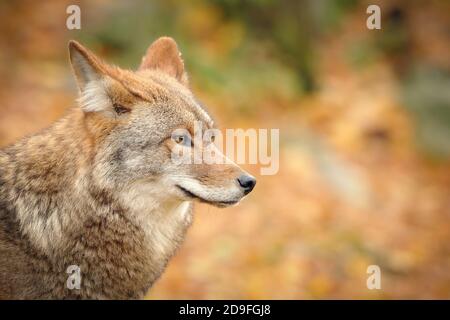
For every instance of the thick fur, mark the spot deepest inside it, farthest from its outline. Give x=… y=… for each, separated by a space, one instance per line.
x=98 y=189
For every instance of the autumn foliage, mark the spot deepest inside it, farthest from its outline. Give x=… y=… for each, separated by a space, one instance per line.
x=364 y=119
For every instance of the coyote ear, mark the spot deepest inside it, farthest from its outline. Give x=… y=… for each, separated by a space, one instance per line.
x=89 y=70
x=163 y=54
x=86 y=66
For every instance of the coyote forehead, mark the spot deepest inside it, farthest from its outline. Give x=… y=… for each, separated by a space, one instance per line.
x=148 y=84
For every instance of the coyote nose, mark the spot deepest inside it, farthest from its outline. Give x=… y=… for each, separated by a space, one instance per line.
x=247 y=183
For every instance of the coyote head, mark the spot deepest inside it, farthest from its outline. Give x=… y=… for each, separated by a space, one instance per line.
x=136 y=120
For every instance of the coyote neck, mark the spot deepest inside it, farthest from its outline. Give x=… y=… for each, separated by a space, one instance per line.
x=41 y=174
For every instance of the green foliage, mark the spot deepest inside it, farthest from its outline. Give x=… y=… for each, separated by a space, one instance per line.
x=427 y=96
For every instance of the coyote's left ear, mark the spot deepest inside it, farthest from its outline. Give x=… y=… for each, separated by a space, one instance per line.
x=163 y=55
x=86 y=66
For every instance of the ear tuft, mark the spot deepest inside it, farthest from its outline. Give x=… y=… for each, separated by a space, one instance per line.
x=94 y=98
x=163 y=55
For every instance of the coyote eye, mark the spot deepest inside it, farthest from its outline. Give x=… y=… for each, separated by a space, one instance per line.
x=182 y=139
x=119 y=109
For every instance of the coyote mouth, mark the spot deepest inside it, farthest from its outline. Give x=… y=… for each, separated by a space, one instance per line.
x=214 y=203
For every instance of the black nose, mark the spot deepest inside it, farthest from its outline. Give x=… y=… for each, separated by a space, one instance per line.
x=247 y=183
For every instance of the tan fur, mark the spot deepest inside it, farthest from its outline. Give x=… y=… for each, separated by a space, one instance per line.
x=98 y=188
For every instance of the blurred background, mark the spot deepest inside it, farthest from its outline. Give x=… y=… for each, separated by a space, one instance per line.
x=364 y=119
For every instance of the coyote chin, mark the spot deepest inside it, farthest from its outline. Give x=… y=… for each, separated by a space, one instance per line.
x=98 y=189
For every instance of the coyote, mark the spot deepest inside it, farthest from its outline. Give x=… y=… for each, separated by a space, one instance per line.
x=99 y=189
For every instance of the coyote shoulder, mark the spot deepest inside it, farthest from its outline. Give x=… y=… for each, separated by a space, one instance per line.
x=99 y=190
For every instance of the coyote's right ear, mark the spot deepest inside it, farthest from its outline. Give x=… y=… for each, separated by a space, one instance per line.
x=86 y=66
x=89 y=72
